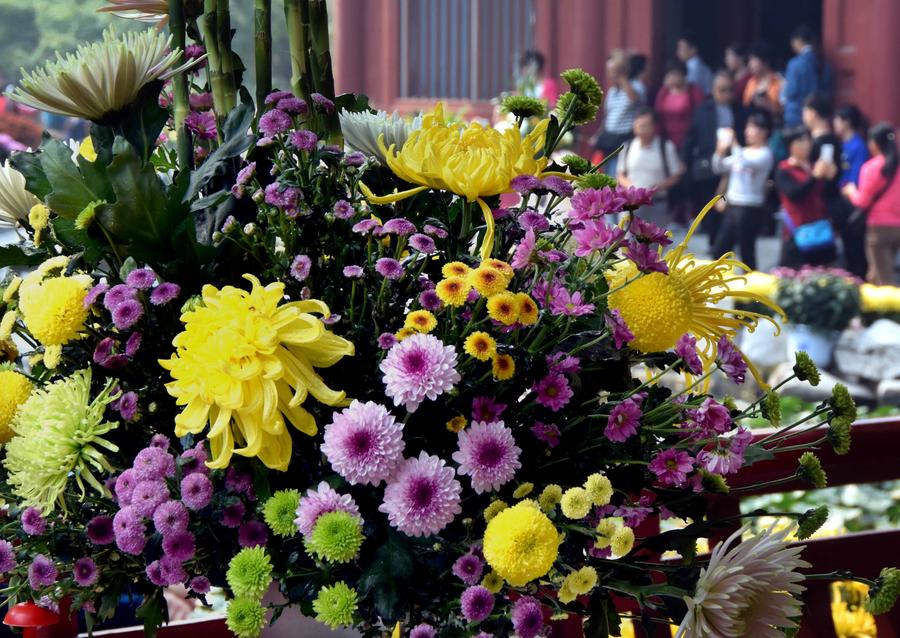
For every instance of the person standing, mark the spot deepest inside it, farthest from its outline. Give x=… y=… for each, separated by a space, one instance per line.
x=697 y=72
x=748 y=168
x=763 y=89
x=848 y=126
x=621 y=102
x=675 y=103
x=878 y=199
x=736 y=65
x=533 y=82
x=801 y=191
x=649 y=160
x=806 y=74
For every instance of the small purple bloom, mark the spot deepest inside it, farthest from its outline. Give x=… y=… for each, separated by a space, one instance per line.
x=117 y=294
x=592 y=203
x=252 y=534
x=173 y=571
x=7 y=557
x=275 y=122
x=477 y=603
x=196 y=491
x=527 y=617
x=285 y=198
x=230 y=222
x=133 y=344
x=84 y=572
x=164 y=293
x=468 y=568
x=553 y=392
x=42 y=572
x=237 y=481
x=422 y=630
x=127 y=313
x=201 y=102
x=125 y=486
x=686 y=348
x=179 y=545
x=322 y=102
x=100 y=530
x=292 y=105
x=94 y=293
x=193 y=461
x=560 y=362
x=435 y=231
x=129 y=530
x=245 y=174
x=430 y=301
x=148 y=495
x=634 y=197
x=199 y=585
x=648 y=232
x=276 y=96
x=202 y=124
x=398 y=226
x=672 y=467
x=160 y=441
x=33 y=522
x=710 y=419
x=386 y=340
x=623 y=421
x=646 y=257
x=621 y=334
x=154 y=463
x=547 y=433
x=389 y=268
x=533 y=220
x=104 y=357
x=524 y=183
x=557 y=186
x=486 y=410
x=233 y=515
x=422 y=243
x=730 y=360
x=355 y=159
x=524 y=250
x=353 y=272
x=595 y=235
x=365 y=226
x=303 y=140
x=170 y=517
x=127 y=405
x=300 y=267
x=343 y=209
x=570 y=304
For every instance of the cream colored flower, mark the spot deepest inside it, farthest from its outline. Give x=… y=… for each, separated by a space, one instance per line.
x=143 y=10
x=747 y=589
x=100 y=78
x=15 y=201
x=361 y=130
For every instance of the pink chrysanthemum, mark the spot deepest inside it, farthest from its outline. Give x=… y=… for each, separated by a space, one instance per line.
x=488 y=453
x=320 y=501
x=422 y=496
x=623 y=422
x=672 y=467
x=364 y=443
x=553 y=392
x=418 y=367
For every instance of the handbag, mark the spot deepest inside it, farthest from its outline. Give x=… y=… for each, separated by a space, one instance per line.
x=810 y=237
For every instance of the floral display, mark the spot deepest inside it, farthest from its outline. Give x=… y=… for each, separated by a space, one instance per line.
x=404 y=374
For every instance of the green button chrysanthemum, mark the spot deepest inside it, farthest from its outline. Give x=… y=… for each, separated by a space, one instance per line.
x=335 y=605
x=280 y=511
x=885 y=592
x=810 y=521
x=810 y=470
x=336 y=538
x=249 y=573
x=245 y=617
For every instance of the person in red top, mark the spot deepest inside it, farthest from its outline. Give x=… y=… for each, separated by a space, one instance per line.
x=878 y=198
x=801 y=190
x=675 y=103
x=736 y=63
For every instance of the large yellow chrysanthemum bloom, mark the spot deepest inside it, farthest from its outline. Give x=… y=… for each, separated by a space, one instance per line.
x=244 y=363
x=16 y=388
x=469 y=160
x=521 y=543
x=659 y=308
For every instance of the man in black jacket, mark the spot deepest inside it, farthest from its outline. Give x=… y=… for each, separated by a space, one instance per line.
x=716 y=112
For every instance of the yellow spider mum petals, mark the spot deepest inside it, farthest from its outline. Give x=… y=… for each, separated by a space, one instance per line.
x=16 y=389
x=622 y=541
x=453 y=291
x=455 y=269
x=492 y=581
x=500 y=266
x=599 y=489
x=576 y=503
x=503 y=367
x=550 y=497
x=457 y=424
x=493 y=509
x=521 y=544
x=480 y=345
x=528 y=310
x=488 y=281
x=53 y=308
x=503 y=307
x=420 y=321
x=245 y=364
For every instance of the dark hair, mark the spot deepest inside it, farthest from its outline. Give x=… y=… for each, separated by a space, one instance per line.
x=690 y=38
x=738 y=49
x=761 y=120
x=804 y=33
x=885 y=139
x=852 y=115
x=643 y=110
x=532 y=56
x=676 y=65
x=820 y=103
x=763 y=52
x=791 y=135
x=637 y=64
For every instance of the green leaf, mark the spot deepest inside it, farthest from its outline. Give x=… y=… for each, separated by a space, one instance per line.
x=78 y=240
x=389 y=576
x=235 y=141
x=140 y=123
x=29 y=164
x=352 y=102
x=755 y=453
x=152 y=612
x=127 y=266
x=71 y=191
x=13 y=255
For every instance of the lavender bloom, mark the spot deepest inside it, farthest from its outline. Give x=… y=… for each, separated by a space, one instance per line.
x=524 y=183
x=193 y=461
x=202 y=124
x=100 y=530
x=524 y=250
x=435 y=231
x=200 y=585
x=292 y=105
x=398 y=226
x=164 y=293
x=148 y=495
x=353 y=272
x=730 y=360
x=430 y=301
x=389 y=268
x=127 y=313
x=179 y=545
x=386 y=340
x=237 y=481
x=245 y=175
x=154 y=464
x=127 y=405
x=128 y=527
x=7 y=557
x=363 y=443
x=468 y=568
x=527 y=617
x=355 y=159
x=593 y=236
x=233 y=515
x=252 y=534
x=117 y=294
x=84 y=572
x=422 y=243
x=173 y=571
x=422 y=630
x=300 y=267
x=533 y=220
x=322 y=102
x=592 y=203
x=343 y=209
x=170 y=517
x=196 y=491
x=634 y=197
x=33 y=523
x=141 y=278
x=125 y=486
x=42 y=572
x=133 y=344
x=276 y=96
x=95 y=293
x=645 y=257
x=686 y=348
x=558 y=186
x=160 y=441
x=303 y=140
x=648 y=232
x=486 y=410
x=621 y=334
x=477 y=603
x=275 y=122
x=365 y=226
x=547 y=433
x=284 y=198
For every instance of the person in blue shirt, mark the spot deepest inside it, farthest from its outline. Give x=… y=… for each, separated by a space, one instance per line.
x=806 y=74
x=849 y=126
x=697 y=72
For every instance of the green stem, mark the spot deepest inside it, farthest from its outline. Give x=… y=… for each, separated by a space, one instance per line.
x=226 y=58
x=209 y=31
x=297 y=47
x=320 y=64
x=780 y=434
x=180 y=85
x=262 y=23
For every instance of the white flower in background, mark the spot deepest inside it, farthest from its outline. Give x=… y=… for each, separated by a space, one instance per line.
x=748 y=589
x=15 y=201
x=100 y=78
x=361 y=130
x=142 y=10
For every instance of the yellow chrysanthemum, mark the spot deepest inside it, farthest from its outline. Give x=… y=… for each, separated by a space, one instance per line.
x=521 y=544
x=503 y=307
x=576 y=503
x=244 y=364
x=457 y=424
x=420 y=321
x=16 y=389
x=488 y=281
x=453 y=291
x=578 y=583
x=550 y=497
x=528 y=310
x=503 y=367
x=469 y=160
x=492 y=581
x=405 y=333
x=605 y=530
x=621 y=541
x=659 y=308
x=480 y=345
x=500 y=266
x=455 y=269
x=599 y=489
x=494 y=508
x=11 y=289
x=523 y=490
x=38 y=218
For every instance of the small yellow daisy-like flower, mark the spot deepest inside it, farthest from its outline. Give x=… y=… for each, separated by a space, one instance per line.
x=504 y=367
x=500 y=266
x=493 y=509
x=622 y=541
x=523 y=490
x=566 y=594
x=455 y=269
x=404 y=333
x=528 y=310
x=453 y=291
x=578 y=583
x=420 y=321
x=605 y=530
x=521 y=544
x=503 y=307
x=457 y=423
x=16 y=389
x=550 y=497
x=492 y=581
x=576 y=503
x=488 y=281
x=599 y=488
x=38 y=218
x=480 y=345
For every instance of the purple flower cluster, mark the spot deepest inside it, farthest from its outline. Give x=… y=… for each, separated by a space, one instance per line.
x=552 y=184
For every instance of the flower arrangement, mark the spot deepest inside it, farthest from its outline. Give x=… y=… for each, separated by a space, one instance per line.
x=253 y=358
x=824 y=299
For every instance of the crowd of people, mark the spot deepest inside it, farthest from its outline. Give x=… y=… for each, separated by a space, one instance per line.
x=772 y=143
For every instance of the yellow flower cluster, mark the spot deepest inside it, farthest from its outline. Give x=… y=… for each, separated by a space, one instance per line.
x=521 y=543
x=613 y=533
x=244 y=363
x=16 y=389
x=577 y=502
x=577 y=583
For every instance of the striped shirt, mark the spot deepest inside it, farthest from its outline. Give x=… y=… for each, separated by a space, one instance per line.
x=620 y=110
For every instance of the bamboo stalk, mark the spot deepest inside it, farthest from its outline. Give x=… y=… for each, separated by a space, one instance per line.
x=297 y=44
x=319 y=44
x=263 y=50
x=207 y=24
x=180 y=85
x=226 y=56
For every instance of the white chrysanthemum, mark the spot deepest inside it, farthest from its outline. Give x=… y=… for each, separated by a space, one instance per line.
x=143 y=10
x=361 y=130
x=748 y=589
x=99 y=78
x=15 y=201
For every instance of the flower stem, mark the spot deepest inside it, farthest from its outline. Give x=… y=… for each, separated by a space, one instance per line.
x=262 y=22
x=180 y=86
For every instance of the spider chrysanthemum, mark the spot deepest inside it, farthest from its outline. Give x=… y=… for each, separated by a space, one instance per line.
x=245 y=364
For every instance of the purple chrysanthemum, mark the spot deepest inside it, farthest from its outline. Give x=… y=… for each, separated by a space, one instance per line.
x=300 y=267
x=199 y=585
x=125 y=486
x=42 y=572
x=196 y=491
x=276 y=96
x=292 y=104
x=161 y=442
x=557 y=186
x=103 y=355
x=173 y=571
x=469 y=568
x=246 y=174
x=129 y=530
x=686 y=348
x=623 y=421
x=730 y=360
x=422 y=497
x=7 y=557
x=94 y=293
x=303 y=140
x=592 y=203
x=365 y=226
x=33 y=522
x=127 y=313
x=621 y=333
x=430 y=300
x=387 y=340
x=648 y=232
x=202 y=124
x=524 y=183
x=283 y=197
x=435 y=231
x=133 y=344
x=489 y=454
x=322 y=102
x=570 y=304
x=527 y=617
x=476 y=603
x=117 y=294
x=389 y=268
x=164 y=293
x=553 y=392
x=672 y=467
x=237 y=481
x=233 y=515
x=179 y=545
x=127 y=406
x=710 y=419
x=355 y=159
x=154 y=574
x=253 y=534
x=171 y=517
x=398 y=226
x=646 y=257
x=595 y=235
x=193 y=461
x=633 y=197
x=423 y=243
x=343 y=209
x=533 y=220
x=154 y=463
x=201 y=101
x=363 y=443
x=320 y=501
x=546 y=432
x=485 y=409
x=84 y=572
x=100 y=530
x=418 y=367
x=353 y=272
x=148 y=495
x=524 y=251
x=422 y=630
x=275 y=122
